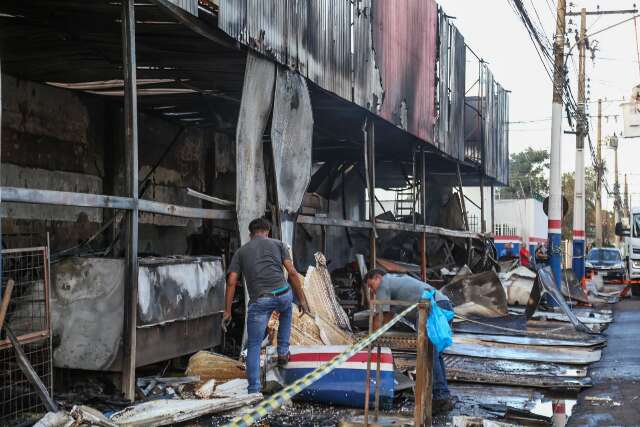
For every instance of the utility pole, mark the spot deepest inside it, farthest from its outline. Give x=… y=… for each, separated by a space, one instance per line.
x=579 y=203
x=626 y=198
x=555 y=188
x=617 y=202
x=599 y=176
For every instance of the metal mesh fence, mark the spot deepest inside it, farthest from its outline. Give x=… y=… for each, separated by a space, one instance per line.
x=28 y=317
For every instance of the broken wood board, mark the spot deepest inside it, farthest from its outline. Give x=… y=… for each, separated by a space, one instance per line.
x=168 y=412
x=477 y=348
x=308 y=331
x=212 y=366
x=397 y=266
x=523 y=340
x=477 y=294
x=321 y=296
x=291 y=140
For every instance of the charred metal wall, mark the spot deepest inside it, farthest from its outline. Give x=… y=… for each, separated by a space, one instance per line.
x=391 y=70
x=487 y=127
x=451 y=89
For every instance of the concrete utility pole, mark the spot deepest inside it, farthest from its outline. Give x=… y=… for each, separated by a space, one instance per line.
x=579 y=203
x=627 y=214
x=599 y=176
x=555 y=188
x=617 y=202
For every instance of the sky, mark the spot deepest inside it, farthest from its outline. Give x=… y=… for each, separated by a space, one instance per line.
x=495 y=32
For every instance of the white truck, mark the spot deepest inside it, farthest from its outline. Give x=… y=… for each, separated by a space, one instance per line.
x=631 y=247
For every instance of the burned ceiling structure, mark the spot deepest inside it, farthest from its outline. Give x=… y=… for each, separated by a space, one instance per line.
x=116 y=113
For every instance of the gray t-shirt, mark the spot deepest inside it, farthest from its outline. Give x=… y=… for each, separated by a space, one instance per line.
x=260 y=262
x=400 y=287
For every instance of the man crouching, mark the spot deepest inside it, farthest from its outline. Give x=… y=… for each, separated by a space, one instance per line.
x=398 y=287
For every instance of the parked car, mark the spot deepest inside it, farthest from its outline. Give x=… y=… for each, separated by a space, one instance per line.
x=606 y=262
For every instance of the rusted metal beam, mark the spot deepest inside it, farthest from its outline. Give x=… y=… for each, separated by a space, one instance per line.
x=87 y=200
x=387 y=225
x=370 y=173
x=131 y=177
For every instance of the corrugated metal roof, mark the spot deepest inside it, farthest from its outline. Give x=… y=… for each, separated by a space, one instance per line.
x=379 y=54
x=190 y=6
x=313 y=38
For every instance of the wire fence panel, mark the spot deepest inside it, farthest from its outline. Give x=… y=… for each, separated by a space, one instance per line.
x=28 y=317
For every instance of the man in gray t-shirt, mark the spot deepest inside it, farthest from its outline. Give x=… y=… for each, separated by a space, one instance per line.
x=261 y=262
x=400 y=287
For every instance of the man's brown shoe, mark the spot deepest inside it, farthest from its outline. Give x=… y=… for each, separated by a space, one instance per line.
x=442 y=406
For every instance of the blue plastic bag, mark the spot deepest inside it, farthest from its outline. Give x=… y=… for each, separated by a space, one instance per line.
x=438 y=329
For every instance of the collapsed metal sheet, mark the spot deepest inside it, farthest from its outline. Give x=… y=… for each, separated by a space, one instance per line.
x=251 y=186
x=477 y=348
x=505 y=372
x=291 y=142
x=514 y=367
x=478 y=294
x=546 y=282
x=520 y=340
x=255 y=108
x=179 y=288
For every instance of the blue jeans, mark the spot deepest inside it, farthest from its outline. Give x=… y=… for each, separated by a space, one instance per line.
x=440 y=385
x=258 y=317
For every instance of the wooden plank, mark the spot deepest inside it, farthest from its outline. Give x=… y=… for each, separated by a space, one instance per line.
x=422 y=412
x=6 y=297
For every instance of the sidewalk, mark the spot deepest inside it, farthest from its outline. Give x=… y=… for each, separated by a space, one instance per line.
x=614 y=399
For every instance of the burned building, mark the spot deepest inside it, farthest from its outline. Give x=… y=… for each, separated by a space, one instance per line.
x=138 y=140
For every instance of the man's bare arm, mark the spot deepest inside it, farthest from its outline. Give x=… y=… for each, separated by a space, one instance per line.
x=296 y=285
x=232 y=282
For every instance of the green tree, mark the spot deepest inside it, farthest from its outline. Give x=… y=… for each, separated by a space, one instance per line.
x=527 y=175
x=608 y=226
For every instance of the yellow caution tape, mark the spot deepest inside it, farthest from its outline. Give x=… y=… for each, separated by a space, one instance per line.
x=277 y=400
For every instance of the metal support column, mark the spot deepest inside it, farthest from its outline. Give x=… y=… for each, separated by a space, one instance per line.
x=423 y=203
x=370 y=172
x=493 y=209
x=131 y=176
x=483 y=222
x=1 y=294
